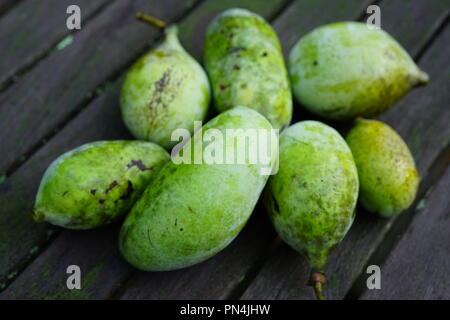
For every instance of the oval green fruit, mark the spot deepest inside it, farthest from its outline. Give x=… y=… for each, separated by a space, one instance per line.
x=387 y=172
x=343 y=70
x=164 y=90
x=244 y=61
x=190 y=212
x=97 y=183
x=311 y=200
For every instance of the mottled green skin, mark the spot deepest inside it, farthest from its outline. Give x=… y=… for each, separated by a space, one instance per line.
x=311 y=200
x=344 y=70
x=164 y=90
x=245 y=64
x=97 y=183
x=192 y=211
x=387 y=173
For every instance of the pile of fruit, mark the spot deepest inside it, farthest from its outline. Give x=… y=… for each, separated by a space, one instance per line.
x=180 y=214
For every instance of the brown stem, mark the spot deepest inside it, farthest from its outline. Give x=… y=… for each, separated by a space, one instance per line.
x=151 y=20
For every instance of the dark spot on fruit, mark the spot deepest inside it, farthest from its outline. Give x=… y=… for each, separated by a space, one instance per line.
x=93 y=191
x=163 y=82
x=236 y=49
x=128 y=192
x=223 y=87
x=139 y=164
x=236 y=67
x=111 y=186
x=264 y=54
x=101 y=201
x=315 y=63
x=181 y=229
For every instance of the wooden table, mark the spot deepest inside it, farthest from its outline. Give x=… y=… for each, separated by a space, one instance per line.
x=59 y=89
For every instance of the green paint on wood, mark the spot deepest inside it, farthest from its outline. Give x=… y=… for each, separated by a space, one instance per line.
x=421 y=204
x=67 y=41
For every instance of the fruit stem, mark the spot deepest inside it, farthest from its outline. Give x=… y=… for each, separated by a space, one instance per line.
x=38 y=216
x=318 y=291
x=150 y=20
x=317 y=280
x=423 y=79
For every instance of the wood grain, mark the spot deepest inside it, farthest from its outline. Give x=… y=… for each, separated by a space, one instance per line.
x=418 y=267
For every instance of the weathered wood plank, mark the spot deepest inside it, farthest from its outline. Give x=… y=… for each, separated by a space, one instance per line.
x=38 y=27
x=412 y=118
x=50 y=280
x=101 y=120
x=58 y=86
x=418 y=267
x=6 y=5
x=98 y=122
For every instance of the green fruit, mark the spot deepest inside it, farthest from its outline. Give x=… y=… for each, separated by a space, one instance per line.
x=97 y=183
x=311 y=200
x=192 y=211
x=343 y=70
x=387 y=173
x=164 y=90
x=244 y=61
